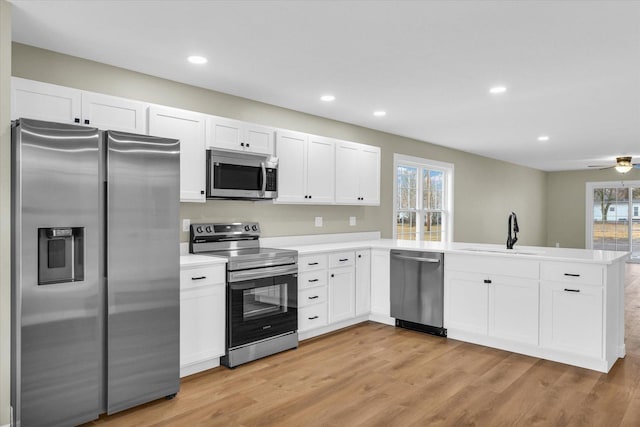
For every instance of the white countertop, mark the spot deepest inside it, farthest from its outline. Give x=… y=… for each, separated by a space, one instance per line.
x=524 y=252
x=191 y=260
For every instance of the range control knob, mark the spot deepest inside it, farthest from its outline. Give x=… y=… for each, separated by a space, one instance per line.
x=199 y=229
x=254 y=227
x=208 y=229
x=247 y=228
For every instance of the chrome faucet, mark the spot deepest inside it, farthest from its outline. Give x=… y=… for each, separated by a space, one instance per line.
x=512 y=240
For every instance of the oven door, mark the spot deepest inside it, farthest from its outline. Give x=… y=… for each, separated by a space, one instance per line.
x=261 y=308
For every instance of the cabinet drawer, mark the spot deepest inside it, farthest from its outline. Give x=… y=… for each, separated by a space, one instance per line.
x=582 y=274
x=312 y=316
x=342 y=259
x=312 y=279
x=312 y=262
x=202 y=276
x=312 y=296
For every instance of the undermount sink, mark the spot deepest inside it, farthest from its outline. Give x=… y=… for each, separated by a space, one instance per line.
x=504 y=251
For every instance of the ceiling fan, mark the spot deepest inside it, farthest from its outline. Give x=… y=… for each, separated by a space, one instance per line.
x=623 y=165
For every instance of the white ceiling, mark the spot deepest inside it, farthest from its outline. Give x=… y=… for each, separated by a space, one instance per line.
x=572 y=68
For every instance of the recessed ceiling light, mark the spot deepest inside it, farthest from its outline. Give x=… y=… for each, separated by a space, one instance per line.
x=328 y=98
x=195 y=59
x=497 y=90
x=380 y=113
x=543 y=138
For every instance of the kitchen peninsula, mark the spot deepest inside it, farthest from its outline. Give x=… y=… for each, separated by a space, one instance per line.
x=565 y=305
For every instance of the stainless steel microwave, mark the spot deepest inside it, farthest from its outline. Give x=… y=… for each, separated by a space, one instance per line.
x=233 y=175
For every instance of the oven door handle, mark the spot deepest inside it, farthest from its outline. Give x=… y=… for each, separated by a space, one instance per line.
x=261 y=273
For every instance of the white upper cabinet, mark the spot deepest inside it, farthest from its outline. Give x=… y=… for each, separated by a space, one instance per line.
x=190 y=129
x=291 y=150
x=305 y=169
x=44 y=101
x=110 y=112
x=357 y=174
x=229 y=134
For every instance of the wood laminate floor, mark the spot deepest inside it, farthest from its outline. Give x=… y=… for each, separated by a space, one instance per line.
x=377 y=375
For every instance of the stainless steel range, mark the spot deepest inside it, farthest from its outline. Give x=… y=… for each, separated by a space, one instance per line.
x=262 y=290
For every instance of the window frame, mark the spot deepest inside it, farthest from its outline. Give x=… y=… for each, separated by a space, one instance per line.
x=447 y=211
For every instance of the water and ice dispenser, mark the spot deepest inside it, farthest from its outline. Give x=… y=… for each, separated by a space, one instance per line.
x=60 y=255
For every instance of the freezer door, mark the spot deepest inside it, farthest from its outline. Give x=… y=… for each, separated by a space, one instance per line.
x=143 y=193
x=57 y=335
x=417 y=287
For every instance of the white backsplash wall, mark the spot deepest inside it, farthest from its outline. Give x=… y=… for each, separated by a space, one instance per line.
x=282 y=220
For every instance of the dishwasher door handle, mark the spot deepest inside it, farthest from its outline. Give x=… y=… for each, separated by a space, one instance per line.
x=416 y=258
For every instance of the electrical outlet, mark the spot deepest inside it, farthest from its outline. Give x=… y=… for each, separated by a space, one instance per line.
x=352 y=221
x=185 y=224
x=318 y=221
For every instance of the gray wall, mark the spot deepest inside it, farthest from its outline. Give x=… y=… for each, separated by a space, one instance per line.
x=486 y=190
x=566 y=192
x=5 y=209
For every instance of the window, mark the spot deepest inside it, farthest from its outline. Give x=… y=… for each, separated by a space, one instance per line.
x=423 y=199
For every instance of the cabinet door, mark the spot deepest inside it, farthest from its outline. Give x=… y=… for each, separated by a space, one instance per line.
x=347 y=173
x=369 y=178
x=202 y=324
x=291 y=150
x=466 y=302
x=43 y=101
x=258 y=139
x=363 y=282
x=321 y=170
x=341 y=294
x=380 y=282
x=513 y=309
x=571 y=318
x=190 y=129
x=113 y=113
x=225 y=134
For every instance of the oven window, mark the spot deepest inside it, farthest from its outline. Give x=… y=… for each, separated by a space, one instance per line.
x=236 y=177
x=264 y=302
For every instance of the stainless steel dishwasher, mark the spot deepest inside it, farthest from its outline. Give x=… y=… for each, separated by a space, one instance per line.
x=417 y=290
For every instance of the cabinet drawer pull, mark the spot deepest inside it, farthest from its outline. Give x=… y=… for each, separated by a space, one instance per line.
x=571 y=275
x=313 y=280
x=312 y=318
x=314 y=297
x=487 y=281
x=343 y=259
x=199 y=278
x=571 y=290
x=312 y=263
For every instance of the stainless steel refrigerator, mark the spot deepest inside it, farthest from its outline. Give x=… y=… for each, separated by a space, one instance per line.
x=95 y=281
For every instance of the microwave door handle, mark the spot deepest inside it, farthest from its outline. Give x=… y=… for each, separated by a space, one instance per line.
x=264 y=178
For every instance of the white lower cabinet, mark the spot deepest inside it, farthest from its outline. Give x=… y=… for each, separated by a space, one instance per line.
x=333 y=290
x=572 y=318
x=381 y=286
x=569 y=312
x=513 y=309
x=467 y=299
x=363 y=282
x=202 y=318
x=498 y=306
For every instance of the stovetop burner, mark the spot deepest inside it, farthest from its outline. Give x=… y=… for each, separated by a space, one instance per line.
x=239 y=243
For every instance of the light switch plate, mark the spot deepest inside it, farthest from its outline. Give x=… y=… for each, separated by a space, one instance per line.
x=185 y=224
x=318 y=221
x=352 y=220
